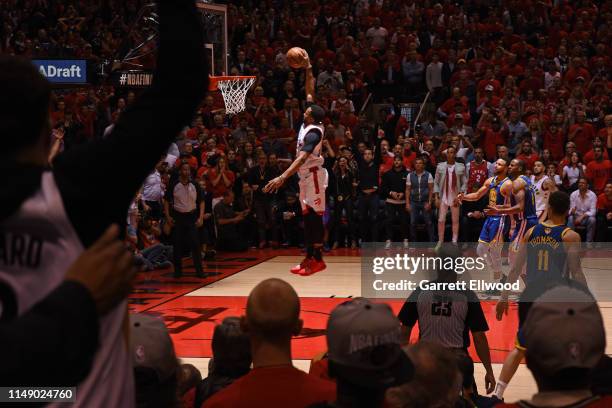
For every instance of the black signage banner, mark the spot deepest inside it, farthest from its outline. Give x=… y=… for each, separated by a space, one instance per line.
x=133 y=79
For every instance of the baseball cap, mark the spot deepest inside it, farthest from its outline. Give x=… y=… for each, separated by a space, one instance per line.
x=151 y=346
x=489 y=87
x=564 y=329
x=364 y=345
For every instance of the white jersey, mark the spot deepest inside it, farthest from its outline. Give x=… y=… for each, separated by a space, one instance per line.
x=541 y=195
x=40 y=244
x=315 y=159
x=313 y=176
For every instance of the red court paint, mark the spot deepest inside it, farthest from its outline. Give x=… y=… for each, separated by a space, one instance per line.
x=155 y=288
x=191 y=321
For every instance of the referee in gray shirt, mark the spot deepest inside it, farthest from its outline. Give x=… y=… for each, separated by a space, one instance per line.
x=448 y=317
x=184 y=210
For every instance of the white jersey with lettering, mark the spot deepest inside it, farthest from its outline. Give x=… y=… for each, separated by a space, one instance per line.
x=541 y=195
x=37 y=246
x=313 y=176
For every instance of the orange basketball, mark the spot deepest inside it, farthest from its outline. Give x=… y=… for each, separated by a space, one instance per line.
x=297 y=57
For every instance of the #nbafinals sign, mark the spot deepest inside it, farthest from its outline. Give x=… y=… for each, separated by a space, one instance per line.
x=133 y=79
x=63 y=71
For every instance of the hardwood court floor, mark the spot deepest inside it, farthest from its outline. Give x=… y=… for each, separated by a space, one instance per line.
x=191 y=307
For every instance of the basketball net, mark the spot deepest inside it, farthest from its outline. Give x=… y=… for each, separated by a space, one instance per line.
x=234 y=90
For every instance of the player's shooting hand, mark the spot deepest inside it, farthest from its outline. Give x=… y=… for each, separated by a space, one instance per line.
x=106 y=269
x=501 y=309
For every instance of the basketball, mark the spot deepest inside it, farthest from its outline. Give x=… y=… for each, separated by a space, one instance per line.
x=297 y=57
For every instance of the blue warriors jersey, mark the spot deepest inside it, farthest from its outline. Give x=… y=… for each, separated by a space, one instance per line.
x=528 y=217
x=495 y=195
x=546 y=254
x=495 y=226
x=529 y=210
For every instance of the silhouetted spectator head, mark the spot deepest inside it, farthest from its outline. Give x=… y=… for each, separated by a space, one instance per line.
x=272 y=313
x=364 y=349
x=155 y=365
x=24 y=108
x=565 y=339
x=437 y=380
x=231 y=349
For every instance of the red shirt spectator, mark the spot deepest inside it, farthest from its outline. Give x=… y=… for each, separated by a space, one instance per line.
x=219 y=178
x=491 y=138
x=554 y=141
x=448 y=106
x=590 y=156
x=581 y=133
x=274 y=387
x=528 y=155
x=598 y=171
x=603 y=204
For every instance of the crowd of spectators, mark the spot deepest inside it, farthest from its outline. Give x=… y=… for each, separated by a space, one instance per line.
x=520 y=79
x=512 y=79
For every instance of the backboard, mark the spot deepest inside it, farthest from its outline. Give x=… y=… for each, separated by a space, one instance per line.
x=214 y=20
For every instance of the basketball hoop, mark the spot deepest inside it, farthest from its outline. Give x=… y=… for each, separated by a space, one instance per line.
x=233 y=89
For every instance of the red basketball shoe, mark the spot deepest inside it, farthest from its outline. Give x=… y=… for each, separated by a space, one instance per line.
x=313 y=267
x=297 y=268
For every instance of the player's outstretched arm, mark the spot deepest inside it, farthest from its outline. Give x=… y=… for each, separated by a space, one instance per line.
x=143 y=132
x=571 y=242
x=477 y=195
x=310 y=81
x=276 y=183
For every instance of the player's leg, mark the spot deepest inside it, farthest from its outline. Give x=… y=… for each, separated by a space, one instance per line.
x=455 y=212
x=313 y=221
x=307 y=232
x=511 y=364
x=442 y=222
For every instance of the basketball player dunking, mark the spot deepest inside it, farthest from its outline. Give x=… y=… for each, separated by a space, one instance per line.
x=543 y=187
x=550 y=252
x=313 y=179
x=495 y=227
